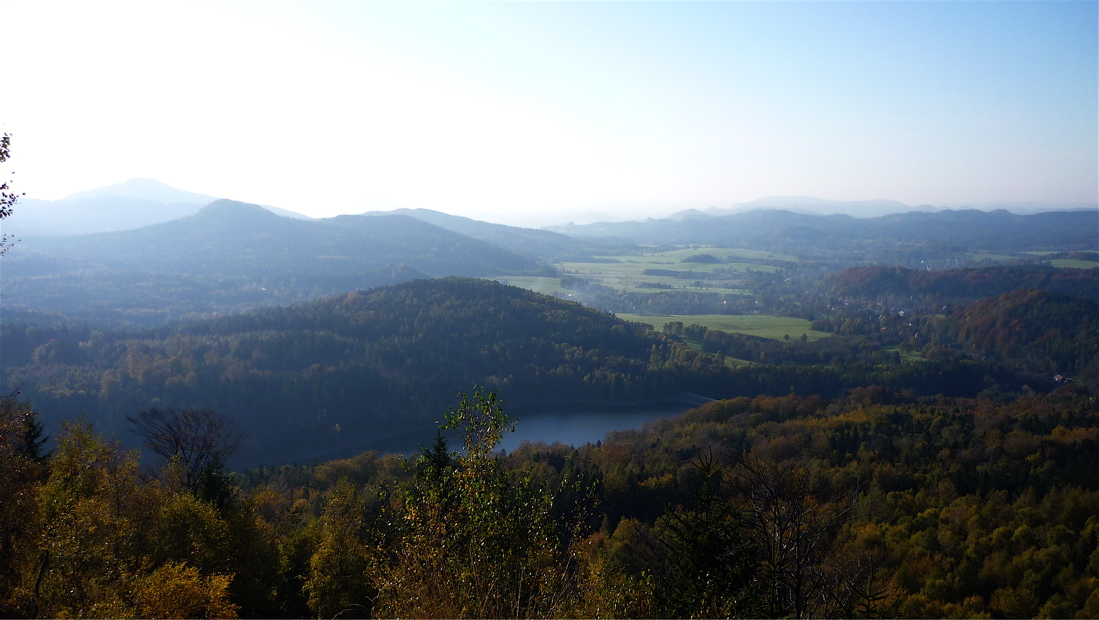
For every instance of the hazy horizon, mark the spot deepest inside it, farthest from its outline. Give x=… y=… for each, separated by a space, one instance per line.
x=539 y=113
x=135 y=187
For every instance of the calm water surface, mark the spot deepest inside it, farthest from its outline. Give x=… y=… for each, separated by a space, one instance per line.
x=570 y=426
x=576 y=428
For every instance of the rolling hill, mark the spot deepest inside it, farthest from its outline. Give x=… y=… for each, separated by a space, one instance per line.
x=124 y=206
x=340 y=370
x=231 y=256
x=238 y=238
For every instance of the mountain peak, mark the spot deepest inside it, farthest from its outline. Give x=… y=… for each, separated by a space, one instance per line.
x=144 y=189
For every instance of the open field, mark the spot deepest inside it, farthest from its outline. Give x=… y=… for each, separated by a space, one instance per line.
x=765 y=326
x=724 y=254
x=628 y=272
x=906 y=356
x=1073 y=263
x=990 y=257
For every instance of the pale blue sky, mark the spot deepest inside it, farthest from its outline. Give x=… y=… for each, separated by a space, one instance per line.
x=537 y=112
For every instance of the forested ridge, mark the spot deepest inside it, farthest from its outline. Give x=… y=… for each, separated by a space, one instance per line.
x=1038 y=328
x=336 y=370
x=954 y=285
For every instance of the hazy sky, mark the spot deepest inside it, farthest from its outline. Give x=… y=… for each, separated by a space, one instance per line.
x=540 y=112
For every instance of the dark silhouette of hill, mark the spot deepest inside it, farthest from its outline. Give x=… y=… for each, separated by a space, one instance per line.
x=237 y=238
x=541 y=243
x=961 y=285
x=231 y=256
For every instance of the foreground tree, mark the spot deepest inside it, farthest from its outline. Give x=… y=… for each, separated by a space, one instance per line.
x=101 y=543
x=475 y=540
x=201 y=439
x=703 y=557
x=7 y=197
x=340 y=583
x=794 y=534
x=21 y=474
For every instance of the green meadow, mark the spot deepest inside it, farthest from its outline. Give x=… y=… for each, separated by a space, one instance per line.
x=628 y=272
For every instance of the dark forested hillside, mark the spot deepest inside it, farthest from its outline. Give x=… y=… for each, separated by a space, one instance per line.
x=83 y=292
x=1042 y=330
x=337 y=370
x=330 y=372
x=960 y=285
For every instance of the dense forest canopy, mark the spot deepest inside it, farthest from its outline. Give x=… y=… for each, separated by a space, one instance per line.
x=332 y=371
x=875 y=504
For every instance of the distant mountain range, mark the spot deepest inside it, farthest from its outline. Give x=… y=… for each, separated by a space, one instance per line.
x=239 y=238
x=141 y=202
x=806 y=205
x=124 y=206
x=230 y=256
x=806 y=234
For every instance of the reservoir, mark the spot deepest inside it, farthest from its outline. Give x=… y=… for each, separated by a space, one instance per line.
x=576 y=427
x=572 y=424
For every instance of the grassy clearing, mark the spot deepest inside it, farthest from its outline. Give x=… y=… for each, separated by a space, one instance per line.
x=1073 y=263
x=909 y=356
x=730 y=362
x=763 y=325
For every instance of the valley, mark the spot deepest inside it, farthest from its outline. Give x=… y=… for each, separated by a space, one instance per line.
x=889 y=388
x=549 y=310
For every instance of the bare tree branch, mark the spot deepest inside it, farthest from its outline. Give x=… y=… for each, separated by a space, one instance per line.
x=201 y=438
